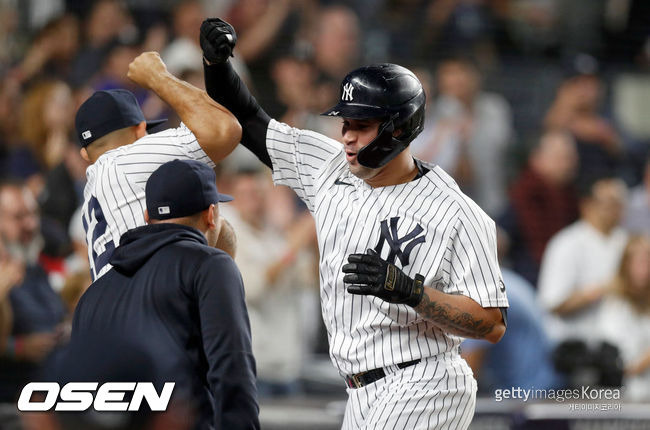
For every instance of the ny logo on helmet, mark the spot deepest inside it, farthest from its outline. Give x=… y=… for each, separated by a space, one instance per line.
x=395 y=242
x=347 y=92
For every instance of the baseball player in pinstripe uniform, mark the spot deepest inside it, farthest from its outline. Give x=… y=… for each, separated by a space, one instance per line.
x=408 y=263
x=113 y=134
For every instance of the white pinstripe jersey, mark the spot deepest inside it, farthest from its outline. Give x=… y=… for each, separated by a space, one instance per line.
x=114 y=200
x=425 y=226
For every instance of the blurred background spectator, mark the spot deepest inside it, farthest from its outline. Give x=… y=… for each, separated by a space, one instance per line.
x=46 y=123
x=336 y=42
x=542 y=201
x=581 y=258
x=576 y=108
x=36 y=309
x=527 y=100
x=52 y=51
x=469 y=134
x=637 y=218
x=275 y=253
x=625 y=316
x=11 y=274
x=105 y=22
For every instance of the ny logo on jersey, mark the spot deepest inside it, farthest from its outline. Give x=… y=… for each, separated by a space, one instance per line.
x=395 y=242
x=347 y=92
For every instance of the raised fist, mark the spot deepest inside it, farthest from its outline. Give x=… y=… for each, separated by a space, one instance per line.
x=217 y=40
x=146 y=68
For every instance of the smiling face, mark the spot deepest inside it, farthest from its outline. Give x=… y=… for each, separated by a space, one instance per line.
x=355 y=134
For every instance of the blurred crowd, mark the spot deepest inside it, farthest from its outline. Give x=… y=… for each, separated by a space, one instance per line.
x=538 y=109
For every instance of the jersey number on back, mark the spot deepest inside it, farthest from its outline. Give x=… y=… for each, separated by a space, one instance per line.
x=96 y=224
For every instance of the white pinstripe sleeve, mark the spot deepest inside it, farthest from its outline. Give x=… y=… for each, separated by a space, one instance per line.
x=472 y=259
x=140 y=159
x=297 y=157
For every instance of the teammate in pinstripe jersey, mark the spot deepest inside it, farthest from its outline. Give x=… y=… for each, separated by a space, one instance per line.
x=113 y=134
x=408 y=263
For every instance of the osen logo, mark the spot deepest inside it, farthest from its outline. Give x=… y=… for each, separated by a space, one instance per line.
x=80 y=396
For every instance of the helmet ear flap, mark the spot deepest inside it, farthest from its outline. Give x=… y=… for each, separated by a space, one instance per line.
x=413 y=125
x=382 y=148
x=388 y=126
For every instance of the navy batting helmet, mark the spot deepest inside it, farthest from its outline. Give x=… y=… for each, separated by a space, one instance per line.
x=388 y=92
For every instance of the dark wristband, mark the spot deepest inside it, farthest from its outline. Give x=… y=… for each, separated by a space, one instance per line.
x=417 y=291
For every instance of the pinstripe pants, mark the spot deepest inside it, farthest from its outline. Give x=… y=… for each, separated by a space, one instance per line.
x=437 y=393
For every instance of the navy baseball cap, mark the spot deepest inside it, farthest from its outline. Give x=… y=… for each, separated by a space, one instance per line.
x=107 y=111
x=181 y=188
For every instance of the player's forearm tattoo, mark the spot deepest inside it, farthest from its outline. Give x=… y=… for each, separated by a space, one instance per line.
x=453 y=319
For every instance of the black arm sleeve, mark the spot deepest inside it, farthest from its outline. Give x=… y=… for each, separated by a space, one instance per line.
x=227 y=88
x=225 y=330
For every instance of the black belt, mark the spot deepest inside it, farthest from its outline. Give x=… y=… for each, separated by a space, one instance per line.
x=366 y=378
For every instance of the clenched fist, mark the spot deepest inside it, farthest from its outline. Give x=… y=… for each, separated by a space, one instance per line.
x=146 y=69
x=217 y=40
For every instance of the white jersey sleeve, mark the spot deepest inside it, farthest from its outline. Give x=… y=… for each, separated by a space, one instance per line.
x=114 y=198
x=139 y=160
x=298 y=157
x=471 y=258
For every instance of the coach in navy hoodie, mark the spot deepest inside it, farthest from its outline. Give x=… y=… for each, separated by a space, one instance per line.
x=182 y=297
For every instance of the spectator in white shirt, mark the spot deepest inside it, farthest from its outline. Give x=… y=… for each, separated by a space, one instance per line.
x=581 y=259
x=278 y=269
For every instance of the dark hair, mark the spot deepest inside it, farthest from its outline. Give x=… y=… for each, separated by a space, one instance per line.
x=622 y=281
x=538 y=138
x=12 y=182
x=462 y=60
x=586 y=185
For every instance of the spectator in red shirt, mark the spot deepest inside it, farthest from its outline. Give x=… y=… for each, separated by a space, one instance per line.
x=542 y=200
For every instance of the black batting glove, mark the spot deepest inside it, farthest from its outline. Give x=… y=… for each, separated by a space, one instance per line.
x=369 y=274
x=217 y=40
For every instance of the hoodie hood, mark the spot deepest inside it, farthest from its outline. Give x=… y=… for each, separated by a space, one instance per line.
x=139 y=244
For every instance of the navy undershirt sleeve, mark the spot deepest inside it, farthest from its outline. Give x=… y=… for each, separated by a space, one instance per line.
x=224 y=85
